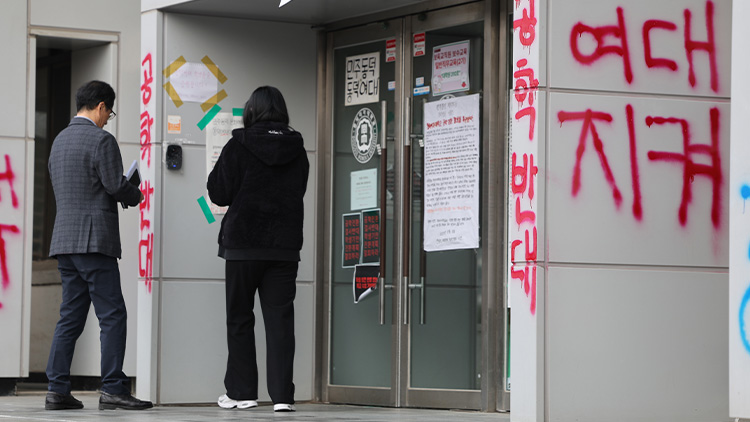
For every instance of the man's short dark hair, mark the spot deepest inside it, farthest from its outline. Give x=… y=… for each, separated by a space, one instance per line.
x=90 y=94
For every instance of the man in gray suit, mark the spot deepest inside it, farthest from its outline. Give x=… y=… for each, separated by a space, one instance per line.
x=86 y=171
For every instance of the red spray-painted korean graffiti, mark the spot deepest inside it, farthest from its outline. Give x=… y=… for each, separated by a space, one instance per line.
x=599 y=34
x=523 y=170
x=602 y=36
x=526 y=25
x=522 y=182
x=588 y=118
x=526 y=90
x=6 y=229
x=9 y=176
x=690 y=168
x=146 y=237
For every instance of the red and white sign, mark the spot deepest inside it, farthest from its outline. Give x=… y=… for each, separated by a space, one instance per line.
x=390 y=50
x=419 y=44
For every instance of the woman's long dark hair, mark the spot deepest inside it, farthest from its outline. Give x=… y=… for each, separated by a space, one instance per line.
x=266 y=104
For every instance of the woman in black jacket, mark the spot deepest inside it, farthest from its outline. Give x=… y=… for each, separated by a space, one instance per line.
x=261 y=175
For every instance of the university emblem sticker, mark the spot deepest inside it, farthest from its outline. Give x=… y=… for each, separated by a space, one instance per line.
x=364 y=135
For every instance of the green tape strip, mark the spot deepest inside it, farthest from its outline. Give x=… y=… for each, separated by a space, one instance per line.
x=209 y=116
x=206 y=210
x=237 y=112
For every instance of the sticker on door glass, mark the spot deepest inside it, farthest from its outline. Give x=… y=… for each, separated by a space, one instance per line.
x=422 y=90
x=362 y=79
x=390 y=50
x=450 y=68
x=419 y=44
x=364 y=135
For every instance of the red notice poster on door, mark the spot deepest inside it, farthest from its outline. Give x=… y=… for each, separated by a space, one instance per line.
x=371 y=237
x=365 y=280
x=352 y=235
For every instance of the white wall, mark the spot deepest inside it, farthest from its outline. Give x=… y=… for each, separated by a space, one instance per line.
x=107 y=16
x=739 y=264
x=113 y=63
x=634 y=246
x=16 y=178
x=187 y=295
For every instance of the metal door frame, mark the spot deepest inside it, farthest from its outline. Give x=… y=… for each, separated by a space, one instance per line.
x=492 y=279
x=492 y=395
x=380 y=396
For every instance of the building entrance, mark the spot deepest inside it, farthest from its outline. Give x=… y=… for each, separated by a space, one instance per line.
x=408 y=296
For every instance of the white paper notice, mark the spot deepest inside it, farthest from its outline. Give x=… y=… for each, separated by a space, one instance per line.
x=364 y=189
x=194 y=82
x=362 y=79
x=451 y=176
x=218 y=133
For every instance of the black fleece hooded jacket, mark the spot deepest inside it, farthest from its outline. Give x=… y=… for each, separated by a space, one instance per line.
x=261 y=175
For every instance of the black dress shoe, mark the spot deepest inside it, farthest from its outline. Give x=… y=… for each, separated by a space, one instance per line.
x=122 y=401
x=57 y=401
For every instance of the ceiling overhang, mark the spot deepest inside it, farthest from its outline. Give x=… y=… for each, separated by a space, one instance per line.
x=316 y=13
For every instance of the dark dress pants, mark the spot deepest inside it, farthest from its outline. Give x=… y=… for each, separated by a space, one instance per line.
x=275 y=283
x=86 y=279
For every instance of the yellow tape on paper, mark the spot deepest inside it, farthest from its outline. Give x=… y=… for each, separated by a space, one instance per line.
x=173 y=94
x=213 y=100
x=214 y=69
x=172 y=68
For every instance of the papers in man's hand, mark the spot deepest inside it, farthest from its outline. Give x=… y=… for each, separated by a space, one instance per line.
x=134 y=178
x=133 y=175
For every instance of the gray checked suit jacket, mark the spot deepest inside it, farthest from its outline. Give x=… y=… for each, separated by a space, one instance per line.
x=86 y=171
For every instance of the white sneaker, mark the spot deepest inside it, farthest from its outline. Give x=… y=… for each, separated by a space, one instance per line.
x=283 y=407
x=226 y=403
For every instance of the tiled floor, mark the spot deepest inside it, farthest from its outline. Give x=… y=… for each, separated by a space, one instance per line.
x=29 y=407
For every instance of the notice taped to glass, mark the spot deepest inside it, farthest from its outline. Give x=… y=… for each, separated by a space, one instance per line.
x=451 y=176
x=365 y=281
x=352 y=239
x=362 y=79
x=371 y=236
x=218 y=133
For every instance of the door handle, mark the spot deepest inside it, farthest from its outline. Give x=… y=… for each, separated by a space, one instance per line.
x=382 y=286
x=405 y=298
x=408 y=287
x=406 y=217
x=383 y=210
x=419 y=286
x=383 y=128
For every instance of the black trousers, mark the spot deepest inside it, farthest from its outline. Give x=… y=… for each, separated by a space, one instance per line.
x=87 y=279
x=275 y=282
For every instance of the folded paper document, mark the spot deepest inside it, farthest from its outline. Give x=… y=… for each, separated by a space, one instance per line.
x=133 y=176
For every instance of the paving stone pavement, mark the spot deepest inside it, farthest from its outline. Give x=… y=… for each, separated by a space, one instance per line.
x=29 y=407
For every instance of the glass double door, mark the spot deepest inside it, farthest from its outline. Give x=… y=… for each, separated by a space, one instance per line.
x=404 y=292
